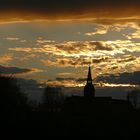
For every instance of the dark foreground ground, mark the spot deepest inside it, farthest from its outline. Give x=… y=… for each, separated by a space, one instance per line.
x=77 y=116
x=98 y=119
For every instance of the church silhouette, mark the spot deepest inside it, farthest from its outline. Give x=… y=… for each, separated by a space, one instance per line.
x=89 y=90
x=90 y=102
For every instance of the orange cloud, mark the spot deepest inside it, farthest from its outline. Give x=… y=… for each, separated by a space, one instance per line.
x=100 y=29
x=75 y=62
x=69 y=48
x=6 y=58
x=65 y=83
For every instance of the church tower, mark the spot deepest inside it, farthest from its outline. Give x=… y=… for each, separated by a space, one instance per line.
x=89 y=90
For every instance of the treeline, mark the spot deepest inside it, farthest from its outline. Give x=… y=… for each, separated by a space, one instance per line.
x=57 y=116
x=13 y=103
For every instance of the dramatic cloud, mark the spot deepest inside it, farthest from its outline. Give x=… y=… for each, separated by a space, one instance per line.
x=127 y=58
x=65 y=83
x=101 y=66
x=77 y=62
x=82 y=48
x=68 y=48
x=70 y=57
x=106 y=57
x=26 y=10
x=123 y=78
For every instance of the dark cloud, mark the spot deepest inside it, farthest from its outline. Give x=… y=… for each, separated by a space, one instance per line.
x=114 y=67
x=71 y=8
x=13 y=70
x=51 y=5
x=62 y=79
x=78 y=62
x=100 y=46
x=126 y=59
x=123 y=78
x=67 y=48
x=101 y=59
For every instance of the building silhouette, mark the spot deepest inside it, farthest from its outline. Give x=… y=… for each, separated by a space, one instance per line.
x=89 y=90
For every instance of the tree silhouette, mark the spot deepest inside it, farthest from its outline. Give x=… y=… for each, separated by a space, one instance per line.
x=13 y=102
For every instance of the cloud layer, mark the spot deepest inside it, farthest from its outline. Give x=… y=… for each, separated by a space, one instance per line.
x=111 y=49
x=71 y=9
x=6 y=58
x=121 y=80
x=114 y=56
x=16 y=70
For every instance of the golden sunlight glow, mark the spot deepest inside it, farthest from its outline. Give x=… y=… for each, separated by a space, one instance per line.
x=118 y=85
x=65 y=83
x=5 y=58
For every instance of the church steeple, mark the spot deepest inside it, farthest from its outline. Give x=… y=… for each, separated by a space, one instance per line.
x=89 y=78
x=89 y=90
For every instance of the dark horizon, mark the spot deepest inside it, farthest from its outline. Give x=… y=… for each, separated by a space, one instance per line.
x=59 y=116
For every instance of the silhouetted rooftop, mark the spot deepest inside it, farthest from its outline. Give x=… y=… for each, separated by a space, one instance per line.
x=83 y=104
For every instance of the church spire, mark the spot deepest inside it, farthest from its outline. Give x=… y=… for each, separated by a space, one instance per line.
x=89 y=76
x=89 y=90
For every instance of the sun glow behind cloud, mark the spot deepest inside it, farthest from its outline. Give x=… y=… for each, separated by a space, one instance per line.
x=79 y=53
x=75 y=83
x=82 y=48
x=52 y=56
x=118 y=85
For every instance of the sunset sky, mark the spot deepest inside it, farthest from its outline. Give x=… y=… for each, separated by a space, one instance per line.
x=53 y=41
